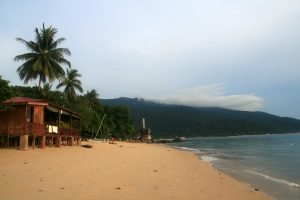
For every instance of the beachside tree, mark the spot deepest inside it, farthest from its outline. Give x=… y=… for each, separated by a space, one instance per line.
x=6 y=90
x=71 y=84
x=44 y=59
x=92 y=97
x=46 y=90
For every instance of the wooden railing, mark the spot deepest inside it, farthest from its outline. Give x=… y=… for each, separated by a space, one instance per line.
x=69 y=132
x=35 y=129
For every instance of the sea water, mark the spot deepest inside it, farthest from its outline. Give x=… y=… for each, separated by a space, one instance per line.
x=269 y=163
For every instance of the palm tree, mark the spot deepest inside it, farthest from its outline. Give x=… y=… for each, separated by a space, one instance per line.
x=71 y=84
x=45 y=91
x=92 y=97
x=44 y=59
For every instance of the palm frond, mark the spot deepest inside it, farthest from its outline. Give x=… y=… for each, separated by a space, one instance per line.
x=45 y=59
x=76 y=81
x=56 y=43
x=78 y=87
x=60 y=51
x=61 y=84
x=30 y=45
x=63 y=61
x=26 y=56
x=38 y=37
x=55 y=70
x=26 y=71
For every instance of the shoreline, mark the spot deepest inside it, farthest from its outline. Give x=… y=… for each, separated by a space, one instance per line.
x=262 y=165
x=203 y=157
x=121 y=171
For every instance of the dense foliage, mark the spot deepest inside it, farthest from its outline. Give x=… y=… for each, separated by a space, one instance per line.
x=172 y=120
x=5 y=92
x=116 y=123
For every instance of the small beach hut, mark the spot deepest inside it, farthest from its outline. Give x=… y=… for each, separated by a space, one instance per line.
x=36 y=122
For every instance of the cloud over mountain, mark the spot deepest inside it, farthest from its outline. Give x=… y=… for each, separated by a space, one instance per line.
x=211 y=96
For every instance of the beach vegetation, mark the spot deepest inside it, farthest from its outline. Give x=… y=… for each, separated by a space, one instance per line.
x=71 y=84
x=92 y=98
x=6 y=92
x=45 y=58
x=117 y=122
x=44 y=62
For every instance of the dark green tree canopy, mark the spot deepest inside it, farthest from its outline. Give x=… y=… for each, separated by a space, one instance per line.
x=92 y=98
x=5 y=90
x=44 y=59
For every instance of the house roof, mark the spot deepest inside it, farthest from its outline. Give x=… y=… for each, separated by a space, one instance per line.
x=54 y=108
x=50 y=106
x=25 y=100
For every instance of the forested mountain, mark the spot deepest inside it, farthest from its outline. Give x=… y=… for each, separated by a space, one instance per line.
x=174 y=120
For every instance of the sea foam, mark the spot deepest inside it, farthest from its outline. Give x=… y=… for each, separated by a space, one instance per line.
x=208 y=158
x=196 y=151
x=274 y=179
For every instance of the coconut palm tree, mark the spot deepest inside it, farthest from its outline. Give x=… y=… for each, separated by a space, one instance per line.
x=71 y=84
x=45 y=91
x=44 y=59
x=92 y=97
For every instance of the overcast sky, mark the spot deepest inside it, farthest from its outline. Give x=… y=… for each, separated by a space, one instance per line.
x=242 y=55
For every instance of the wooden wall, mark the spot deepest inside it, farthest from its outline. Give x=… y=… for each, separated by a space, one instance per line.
x=38 y=116
x=13 y=120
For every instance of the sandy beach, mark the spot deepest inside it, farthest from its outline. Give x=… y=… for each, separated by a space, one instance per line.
x=114 y=171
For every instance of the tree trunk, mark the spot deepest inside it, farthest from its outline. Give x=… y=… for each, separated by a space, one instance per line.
x=40 y=81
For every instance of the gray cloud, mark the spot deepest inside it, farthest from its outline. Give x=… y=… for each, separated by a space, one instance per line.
x=211 y=96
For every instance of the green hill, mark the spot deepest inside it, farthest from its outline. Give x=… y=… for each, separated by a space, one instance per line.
x=174 y=120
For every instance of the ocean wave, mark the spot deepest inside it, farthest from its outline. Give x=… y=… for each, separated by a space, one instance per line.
x=274 y=179
x=197 y=151
x=208 y=158
x=205 y=158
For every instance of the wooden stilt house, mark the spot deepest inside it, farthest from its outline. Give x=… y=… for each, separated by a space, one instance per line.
x=34 y=122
